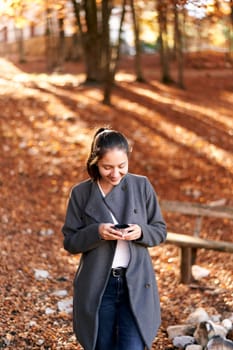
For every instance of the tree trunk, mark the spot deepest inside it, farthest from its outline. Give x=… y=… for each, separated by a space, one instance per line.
x=100 y=57
x=76 y=7
x=138 y=70
x=50 y=42
x=61 y=43
x=179 y=47
x=163 y=40
x=75 y=52
x=116 y=50
x=199 y=35
x=113 y=61
x=92 y=43
x=106 y=53
x=20 y=42
x=90 y=39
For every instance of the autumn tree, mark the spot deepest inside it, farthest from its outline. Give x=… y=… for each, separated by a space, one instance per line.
x=162 y=8
x=61 y=40
x=92 y=20
x=178 y=11
x=222 y=11
x=55 y=43
x=49 y=38
x=113 y=58
x=17 y=10
x=100 y=54
x=136 y=29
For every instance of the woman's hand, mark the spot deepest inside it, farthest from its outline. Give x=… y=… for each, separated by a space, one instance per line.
x=132 y=232
x=108 y=232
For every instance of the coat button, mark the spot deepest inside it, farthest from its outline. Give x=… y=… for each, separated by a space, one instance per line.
x=147 y=285
x=135 y=211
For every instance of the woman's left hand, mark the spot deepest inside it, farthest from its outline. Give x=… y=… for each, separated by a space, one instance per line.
x=132 y=233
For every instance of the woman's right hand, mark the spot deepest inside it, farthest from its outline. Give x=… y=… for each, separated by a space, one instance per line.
x=109 y=233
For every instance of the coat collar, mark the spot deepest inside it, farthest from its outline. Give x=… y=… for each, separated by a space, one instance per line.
x=117 y=201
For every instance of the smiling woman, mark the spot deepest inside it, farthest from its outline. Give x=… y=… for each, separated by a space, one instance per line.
x=112 y=167
x=116 y=302
x=100 y=160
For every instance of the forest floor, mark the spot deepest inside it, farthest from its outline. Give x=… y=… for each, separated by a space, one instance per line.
x=182 y=140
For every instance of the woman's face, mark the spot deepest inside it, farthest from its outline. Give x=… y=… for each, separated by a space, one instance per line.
x=112 y=167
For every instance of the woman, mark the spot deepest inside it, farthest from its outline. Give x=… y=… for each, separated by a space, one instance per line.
x=116 y=302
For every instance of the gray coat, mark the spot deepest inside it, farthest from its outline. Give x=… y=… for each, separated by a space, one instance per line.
x=133 y=201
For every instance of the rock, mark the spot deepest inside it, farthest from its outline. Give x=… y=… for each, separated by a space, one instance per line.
x=66 y=305
x=216 y=318
x=60 y=293
x=198 y=316
x=227 y=324
x=183 y=341
x=46 y=232
x=193 y=347
x=217 y=342
x=178 y=330
x=41 y=274
x=49 y=311
x=40 y=342
x=199 y=272
x=220 y=330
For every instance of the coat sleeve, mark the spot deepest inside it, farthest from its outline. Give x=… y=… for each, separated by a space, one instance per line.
x=154 y=230
x=78 y=236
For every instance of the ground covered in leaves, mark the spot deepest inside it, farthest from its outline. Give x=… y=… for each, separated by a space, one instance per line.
x=182 y=140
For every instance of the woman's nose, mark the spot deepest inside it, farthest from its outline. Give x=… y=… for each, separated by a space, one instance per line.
x=115 y=171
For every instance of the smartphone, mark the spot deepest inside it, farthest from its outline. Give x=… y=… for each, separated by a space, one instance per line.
x=121 y=226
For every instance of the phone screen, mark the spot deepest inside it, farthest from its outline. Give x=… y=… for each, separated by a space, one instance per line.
x=121 y=226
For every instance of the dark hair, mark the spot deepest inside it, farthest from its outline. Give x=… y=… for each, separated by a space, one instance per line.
x=104 y=140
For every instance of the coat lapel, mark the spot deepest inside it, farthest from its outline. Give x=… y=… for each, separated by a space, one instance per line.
x=96 y=207
x=120 y=201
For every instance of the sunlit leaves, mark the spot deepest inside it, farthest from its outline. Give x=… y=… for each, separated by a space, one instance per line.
x=25 y=11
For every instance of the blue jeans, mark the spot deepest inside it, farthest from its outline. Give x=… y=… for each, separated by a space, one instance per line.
x=117 y=327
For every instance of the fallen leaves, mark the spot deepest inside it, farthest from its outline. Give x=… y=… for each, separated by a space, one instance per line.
x=46 y=129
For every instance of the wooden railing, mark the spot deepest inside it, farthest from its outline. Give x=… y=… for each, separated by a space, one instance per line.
x=190 y=243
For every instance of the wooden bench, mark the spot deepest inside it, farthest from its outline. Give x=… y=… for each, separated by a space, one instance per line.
x=189 y=244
